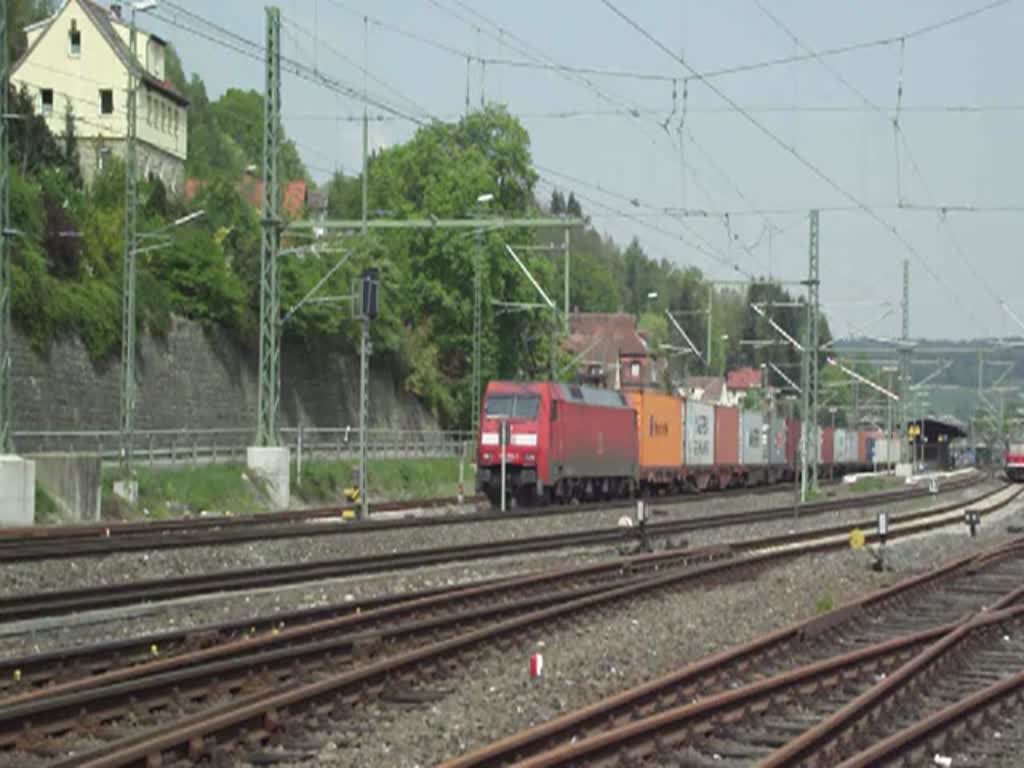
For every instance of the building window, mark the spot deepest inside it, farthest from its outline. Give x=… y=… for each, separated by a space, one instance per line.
x=74 y=40
x=106 y=101
x=175 y=122
x=634 y=370
x=103 y=157
x=47 y=101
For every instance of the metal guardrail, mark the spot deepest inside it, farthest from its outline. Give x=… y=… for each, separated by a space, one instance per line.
x=162 y=447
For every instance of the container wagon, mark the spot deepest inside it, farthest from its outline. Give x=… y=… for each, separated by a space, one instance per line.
x=565 y=441
x=699 y=443
x=729 y=471
x=659 y=427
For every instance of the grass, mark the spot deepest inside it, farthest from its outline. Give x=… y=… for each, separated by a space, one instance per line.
x=873 y=484
x=173 y=492
x=222 y=488
x=825 y=603
x=389 y=479
x=47 y=511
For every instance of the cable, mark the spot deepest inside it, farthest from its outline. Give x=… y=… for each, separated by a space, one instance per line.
x=253 y=50
x=907 y=245
x=533 y=52
x=658 y=77
x=341 y=56
x=707 y=249
x=573 y=114
x=900 y=135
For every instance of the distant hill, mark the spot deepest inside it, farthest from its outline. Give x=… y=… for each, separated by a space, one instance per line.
x=956 y=392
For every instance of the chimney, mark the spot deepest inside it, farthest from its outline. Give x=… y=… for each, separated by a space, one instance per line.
x=115 y=10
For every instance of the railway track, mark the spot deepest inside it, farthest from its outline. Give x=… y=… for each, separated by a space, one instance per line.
x=251 y=705
x=55 y=603
x=739 y=706
x=20 y=545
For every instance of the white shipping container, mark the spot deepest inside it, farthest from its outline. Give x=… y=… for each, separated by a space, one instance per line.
x=699 y=439
x=844 y=447
x=839 y=446
x=852 y=448
x=753 y=439
x=777 y=441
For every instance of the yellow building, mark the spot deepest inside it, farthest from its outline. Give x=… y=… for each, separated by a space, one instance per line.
x=78 y=58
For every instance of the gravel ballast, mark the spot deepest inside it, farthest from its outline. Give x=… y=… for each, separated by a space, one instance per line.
x=604 y=653
x=91 y=571
x=48 y=635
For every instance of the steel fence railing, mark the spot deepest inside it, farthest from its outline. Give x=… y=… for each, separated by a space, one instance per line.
x=160 y=447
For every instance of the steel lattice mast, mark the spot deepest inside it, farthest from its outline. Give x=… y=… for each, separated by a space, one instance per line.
x=128 y=316
x=6 y=384
x=270 y=328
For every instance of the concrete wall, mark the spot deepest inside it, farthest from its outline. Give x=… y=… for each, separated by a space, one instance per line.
x=151 y=162
x=17 y=491
x=200 y=379
x=73 y=481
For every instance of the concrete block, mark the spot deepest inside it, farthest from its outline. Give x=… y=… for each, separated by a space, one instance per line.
x=273 y=465
x=128 y=490
x=17 y=491
x=74 y=481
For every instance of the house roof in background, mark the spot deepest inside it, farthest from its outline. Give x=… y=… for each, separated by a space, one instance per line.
x=744 y=378
x=607 y=335
x=104 y=21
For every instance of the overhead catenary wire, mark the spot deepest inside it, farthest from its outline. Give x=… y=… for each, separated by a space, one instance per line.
x=203 y=27
x=900 y=135
x=613 y=73
x=810 y=166
x=334 y=51
x=508 y=38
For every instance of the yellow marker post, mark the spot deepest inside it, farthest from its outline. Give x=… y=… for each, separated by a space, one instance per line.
x=17 y=675
x=857 y=539
x=154 y=650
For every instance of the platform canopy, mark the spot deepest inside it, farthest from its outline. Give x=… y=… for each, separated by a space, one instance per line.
x=947 y=429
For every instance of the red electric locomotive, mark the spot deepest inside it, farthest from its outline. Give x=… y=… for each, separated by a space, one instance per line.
x=564 y=441
x=1015 y=462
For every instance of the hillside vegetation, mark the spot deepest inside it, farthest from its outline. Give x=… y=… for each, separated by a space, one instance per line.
x=67 y=268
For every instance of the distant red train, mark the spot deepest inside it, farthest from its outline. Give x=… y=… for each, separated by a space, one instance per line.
x=567 y=441
x=1015 y=462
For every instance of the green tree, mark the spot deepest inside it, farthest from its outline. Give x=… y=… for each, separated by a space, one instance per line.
x=20 y=14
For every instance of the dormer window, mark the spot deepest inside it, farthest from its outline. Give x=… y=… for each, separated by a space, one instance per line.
x=74 y=40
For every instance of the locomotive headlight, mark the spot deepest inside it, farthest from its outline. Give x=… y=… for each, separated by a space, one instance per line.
x=530 y=457
x=487 y=457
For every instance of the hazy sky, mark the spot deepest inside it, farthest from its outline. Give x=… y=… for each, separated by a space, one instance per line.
x=947 y=156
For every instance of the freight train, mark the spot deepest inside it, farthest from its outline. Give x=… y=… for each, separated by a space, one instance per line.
x=568 y=441
x=1015 y=462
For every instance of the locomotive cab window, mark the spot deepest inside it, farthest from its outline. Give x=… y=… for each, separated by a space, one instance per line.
x=512 y=406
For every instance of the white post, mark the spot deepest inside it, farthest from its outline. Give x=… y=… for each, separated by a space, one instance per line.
x=503 y=437
x=462 y=473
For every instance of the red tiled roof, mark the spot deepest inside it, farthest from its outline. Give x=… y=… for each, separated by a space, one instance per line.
x=607 y=335
x=192 y=189
x=712 y=386
x=293 y=198
x=744 y=378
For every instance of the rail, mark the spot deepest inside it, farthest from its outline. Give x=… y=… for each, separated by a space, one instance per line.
x=161 y=447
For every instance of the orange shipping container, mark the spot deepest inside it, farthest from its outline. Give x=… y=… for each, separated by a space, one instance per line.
x=659 y=423
x=727 y=436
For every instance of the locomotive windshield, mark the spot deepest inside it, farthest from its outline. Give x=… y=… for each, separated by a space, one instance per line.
x=512 y=406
